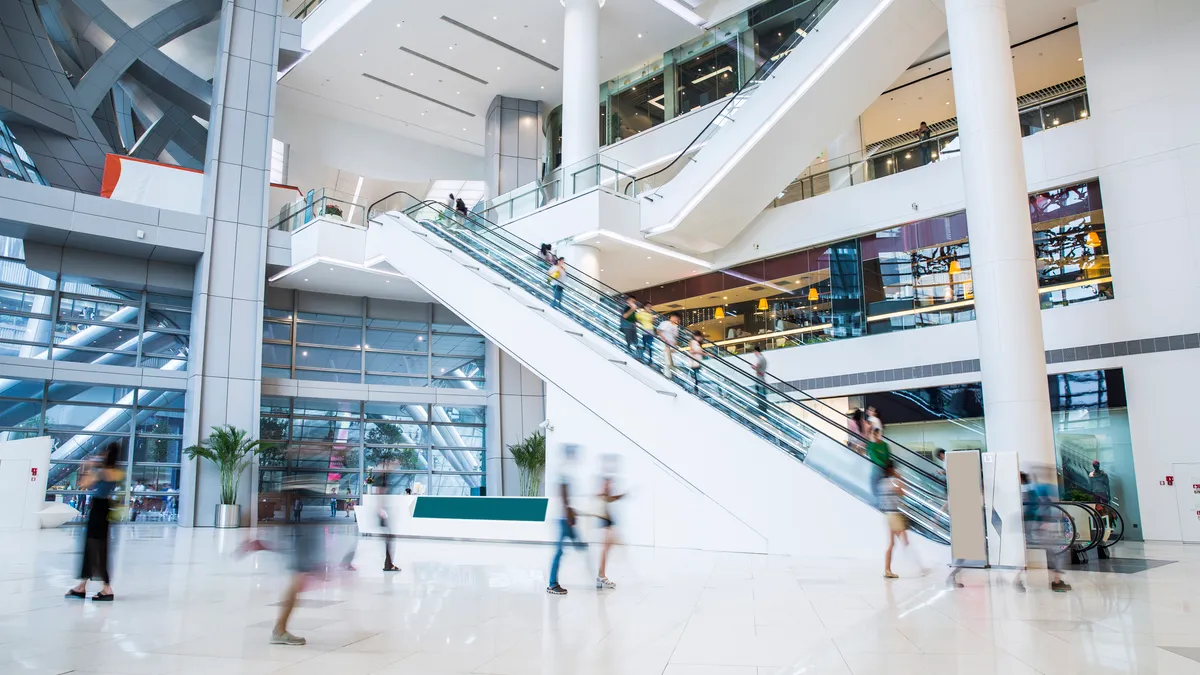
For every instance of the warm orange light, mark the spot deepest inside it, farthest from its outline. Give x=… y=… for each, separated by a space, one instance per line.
x=719 y=313
x=762 y=304
x=813 y=295
x=1092 y=240
x=955 y=268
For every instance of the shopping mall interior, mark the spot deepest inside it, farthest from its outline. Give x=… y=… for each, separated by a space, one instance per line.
x=792 y=333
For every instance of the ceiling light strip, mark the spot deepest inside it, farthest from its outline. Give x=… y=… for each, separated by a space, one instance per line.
x=711 y=75
x=655 y=248
x=682 y=11
x=447 y=66
x=418 y=94
x=501 y=43
x=769 y=336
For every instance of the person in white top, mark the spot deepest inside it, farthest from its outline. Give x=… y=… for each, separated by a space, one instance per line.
x=668 y=332
x=696 y=352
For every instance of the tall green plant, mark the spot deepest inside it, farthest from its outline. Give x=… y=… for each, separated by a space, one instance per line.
x=232 y=451
x=530 y=456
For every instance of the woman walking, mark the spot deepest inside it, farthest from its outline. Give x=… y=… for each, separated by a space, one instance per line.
x=607 y=496
x=104 y=481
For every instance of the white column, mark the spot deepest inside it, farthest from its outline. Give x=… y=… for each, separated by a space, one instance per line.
x=584 y=258
x=1008 y=314
x=225 y=361
x=581 y=80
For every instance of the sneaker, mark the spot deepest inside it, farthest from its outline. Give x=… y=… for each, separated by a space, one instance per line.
x=286 y=638
x=603 y=582
x=556 y=590
x=1060 y=586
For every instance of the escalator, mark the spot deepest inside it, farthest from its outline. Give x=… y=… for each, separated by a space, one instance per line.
x=841 y=56
x=497 y=283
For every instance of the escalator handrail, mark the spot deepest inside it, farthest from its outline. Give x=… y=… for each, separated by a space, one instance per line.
x=754 y=79
x=617 y=297
x=1094 y=518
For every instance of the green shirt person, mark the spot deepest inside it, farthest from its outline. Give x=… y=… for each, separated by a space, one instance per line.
x=877 y=449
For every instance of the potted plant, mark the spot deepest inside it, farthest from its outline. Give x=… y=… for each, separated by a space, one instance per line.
x=232 y=451
x=333 y=210
x=530 y=457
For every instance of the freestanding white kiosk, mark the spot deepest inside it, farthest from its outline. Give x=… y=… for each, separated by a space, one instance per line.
x=24 y=465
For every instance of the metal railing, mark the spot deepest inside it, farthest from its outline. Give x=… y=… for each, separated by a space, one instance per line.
x=299 y=213
x=907 y=151
x=594 y=172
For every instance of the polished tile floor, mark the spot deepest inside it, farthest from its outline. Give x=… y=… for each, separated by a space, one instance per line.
x=186 y=605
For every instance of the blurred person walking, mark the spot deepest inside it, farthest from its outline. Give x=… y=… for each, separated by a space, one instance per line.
x=696 y=354
x=760 y=372
x=557 y=274
x=566 y=524
x=1044 y=530
x=629 y=323
x=645 y=320
x=668 y=332
x=873 y=421
x=307 y=560
x=891 y=492
x=103 y=480
x=607 y=496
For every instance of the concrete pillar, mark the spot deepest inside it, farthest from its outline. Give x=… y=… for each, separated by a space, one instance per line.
x=584 y=258
x=1008 y=314
x=224 y=366
x=516 y=405
x=513 y=145
x=581 y=80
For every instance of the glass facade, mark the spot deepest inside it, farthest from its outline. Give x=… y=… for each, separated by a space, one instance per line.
x=909 y=276
x=366 y=341
x=83 y=418
x=46 y=317
x=1089 y=412
x=14 y=161
x=345 y=445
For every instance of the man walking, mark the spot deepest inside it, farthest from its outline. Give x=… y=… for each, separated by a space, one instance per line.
x=566 y=525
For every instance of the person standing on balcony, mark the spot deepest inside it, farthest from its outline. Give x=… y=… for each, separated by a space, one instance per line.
x=668 y=332
x=923 y=134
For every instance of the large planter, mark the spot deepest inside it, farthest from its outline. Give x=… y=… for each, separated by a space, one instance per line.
x=228 y=516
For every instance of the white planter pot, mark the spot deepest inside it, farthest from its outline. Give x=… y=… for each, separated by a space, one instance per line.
x=228 y=516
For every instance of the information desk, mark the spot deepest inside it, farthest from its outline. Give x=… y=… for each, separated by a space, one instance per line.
x=522 y=519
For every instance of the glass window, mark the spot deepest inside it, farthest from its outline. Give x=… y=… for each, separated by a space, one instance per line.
x=274 y=354
x=323 y=357
x=88 y=309
x=330 y=318
x=319 y=407
x=329 y=431
x=398 y=364
x=273 y=330
x=1071 y=245
x=457 y=437
x=157 y=450
x=459 y=414
x=327 y=376
x=21 y=300
x=93 y=336
x=395 y=459
x=638 y=107
x=155 y=478
x=458 y=461
x=458 y=345
x=457 y=366
x=379 y=432
x=337 y=336
x=400 y=340
x=397 y=381
x=707 y=77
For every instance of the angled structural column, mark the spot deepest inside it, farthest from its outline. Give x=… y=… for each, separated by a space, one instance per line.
x=1008 y=312
x=224 y=371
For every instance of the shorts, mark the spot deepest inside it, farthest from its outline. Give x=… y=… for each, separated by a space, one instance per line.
x=897 y=522
x=308 y=550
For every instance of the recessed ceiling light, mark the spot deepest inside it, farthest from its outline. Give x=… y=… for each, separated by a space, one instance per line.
x=601 y=270
x=897 y=119
x=497 y=67
x=543 y=40
x=639 y=35
x=464 y=128
x=451 y=47
x=543 y=86
x=330 y=269
x=411 y=74
x=1079 y=59
x=647 y=257
x=458 y=92
x=387 y=281
x=306 y=279
x=493 y=18
x=947 y=102
x=397 y=25
x=361 y=53
x=376 y=98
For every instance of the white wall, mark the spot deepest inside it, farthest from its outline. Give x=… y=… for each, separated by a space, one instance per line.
x=321 y=144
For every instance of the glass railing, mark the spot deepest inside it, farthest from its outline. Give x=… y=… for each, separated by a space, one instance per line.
x=805 y=427
x=307 y=9
x=593 y=172
x=859 y=167
x=736 y=100
x=299 y=213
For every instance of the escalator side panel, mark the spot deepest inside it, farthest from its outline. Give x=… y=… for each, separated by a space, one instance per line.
x=792 y=507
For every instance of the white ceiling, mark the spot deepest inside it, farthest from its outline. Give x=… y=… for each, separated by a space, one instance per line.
x=331 y=77
x=341 y=279
x=1036 y=65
